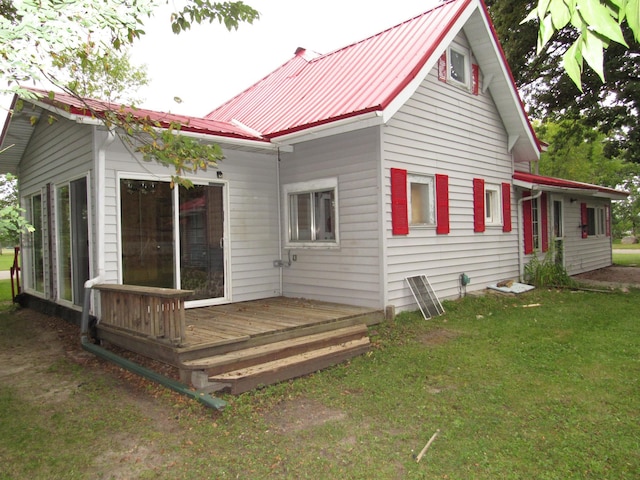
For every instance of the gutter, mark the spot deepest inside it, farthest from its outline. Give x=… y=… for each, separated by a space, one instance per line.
x=199 y=395
x=521 y=234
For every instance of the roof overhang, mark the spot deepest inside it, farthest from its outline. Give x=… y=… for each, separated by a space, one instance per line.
x=530 y=181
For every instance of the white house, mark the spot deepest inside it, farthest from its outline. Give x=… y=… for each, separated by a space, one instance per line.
x=404 y=154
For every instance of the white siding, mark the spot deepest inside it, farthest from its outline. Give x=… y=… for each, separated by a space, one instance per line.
x=583 y=254
x=57 y=152
x=350 y=273
x=443 y=129
x=252 y=243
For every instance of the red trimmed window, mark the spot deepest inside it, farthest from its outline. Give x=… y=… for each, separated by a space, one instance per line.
x=478 y=205
x=399 y=216
x=506 y=207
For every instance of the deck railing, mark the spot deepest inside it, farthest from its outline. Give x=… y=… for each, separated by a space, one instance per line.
x=157 y=313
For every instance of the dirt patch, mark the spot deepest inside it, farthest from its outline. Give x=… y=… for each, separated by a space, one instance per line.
x=300 y=414
x=612 y=276
x=437 y=337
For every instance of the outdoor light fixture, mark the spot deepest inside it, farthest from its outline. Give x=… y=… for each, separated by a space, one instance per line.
x=219 y=174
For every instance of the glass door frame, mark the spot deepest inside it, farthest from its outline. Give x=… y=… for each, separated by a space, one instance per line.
x=176 y=232
x=558 y=240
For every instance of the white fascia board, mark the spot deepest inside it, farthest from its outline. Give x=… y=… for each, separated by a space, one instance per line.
x=238 y=142
x=586 y=192
x=82 y=119
x=337 y=127
x=404 y=96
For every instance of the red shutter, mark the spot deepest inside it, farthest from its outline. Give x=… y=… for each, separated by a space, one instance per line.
x=527 y=224
x=442 y=204
x=399 y=215
x=478 y=205
x=584 y=220
x=544 y=222
x=607 y=219
x=506 y=207
x=442 y=67
x=475 y=79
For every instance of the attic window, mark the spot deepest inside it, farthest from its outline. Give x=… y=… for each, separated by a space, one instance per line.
x=458 y=72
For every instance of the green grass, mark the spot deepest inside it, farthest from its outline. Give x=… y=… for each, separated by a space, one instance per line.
x=627 y=259
x=619 y=246
x=545 y=385
x=6 y=259
x=5 y=291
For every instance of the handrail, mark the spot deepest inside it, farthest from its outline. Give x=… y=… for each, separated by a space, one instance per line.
x=157 y=313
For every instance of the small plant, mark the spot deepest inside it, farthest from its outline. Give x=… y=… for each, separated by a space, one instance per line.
x=547 y=273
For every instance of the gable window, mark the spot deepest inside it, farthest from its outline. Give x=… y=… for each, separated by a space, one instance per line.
x=422 y=200
x=458 y=65
x=311 y=209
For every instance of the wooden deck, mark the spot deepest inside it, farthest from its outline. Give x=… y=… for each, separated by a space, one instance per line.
x=237 y=327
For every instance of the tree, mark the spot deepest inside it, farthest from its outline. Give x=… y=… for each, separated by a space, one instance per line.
x=611 y=107
x=12 y=223
x=110 y=77
x=35 y=35
x=576 y=152
x=597 y=25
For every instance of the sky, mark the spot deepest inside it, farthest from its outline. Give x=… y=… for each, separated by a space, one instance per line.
x=208 y=65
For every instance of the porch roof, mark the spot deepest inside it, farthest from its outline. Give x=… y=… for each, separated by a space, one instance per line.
x=552 y=184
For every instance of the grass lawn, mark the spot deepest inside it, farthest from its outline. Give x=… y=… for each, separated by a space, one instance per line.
x=628 y=259
x=545 y=385
x=6 y=259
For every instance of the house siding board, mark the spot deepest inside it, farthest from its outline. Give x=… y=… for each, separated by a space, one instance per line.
x=55 y=154
x=253 y=231
x=349 y=273
x=446 y=130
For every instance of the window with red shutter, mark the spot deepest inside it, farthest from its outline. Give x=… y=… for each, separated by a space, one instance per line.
x=399 y=215
x=442 y=204
x=478 y=205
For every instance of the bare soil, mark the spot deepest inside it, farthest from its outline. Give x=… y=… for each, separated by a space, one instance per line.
x=613 y=276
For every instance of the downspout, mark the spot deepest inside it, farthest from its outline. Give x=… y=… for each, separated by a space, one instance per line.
x=521 y=234
x=199 y=395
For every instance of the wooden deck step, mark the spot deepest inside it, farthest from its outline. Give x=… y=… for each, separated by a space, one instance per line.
x=247 y=357
x=245 y=379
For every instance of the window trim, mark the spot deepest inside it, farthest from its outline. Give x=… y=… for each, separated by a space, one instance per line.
x=430 y=181
x=312 y=186
x=495 y=219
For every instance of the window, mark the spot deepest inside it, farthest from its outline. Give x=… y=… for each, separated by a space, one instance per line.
x=311 y=209
x=35 y=249
x=421 y=199
x=492 y=205
x=535 y=223
x=72 y=240
x=458 y=71
x=595 y=221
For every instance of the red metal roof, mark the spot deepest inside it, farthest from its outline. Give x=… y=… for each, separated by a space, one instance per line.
x=97 y=108
x=561 y=183
x=360 y=78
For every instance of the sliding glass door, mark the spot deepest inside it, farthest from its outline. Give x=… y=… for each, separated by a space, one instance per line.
x=173 y=238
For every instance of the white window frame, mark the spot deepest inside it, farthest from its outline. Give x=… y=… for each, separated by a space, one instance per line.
x=455 y=48
x=599 y=221
x=492 y=205
x=429 y=181
x=301 y=188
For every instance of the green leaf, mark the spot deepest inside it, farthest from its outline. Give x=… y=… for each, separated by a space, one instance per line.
x=572 y=61
x=632 y=13
x=560 y=13
x=599 y=18
x=592 y=52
